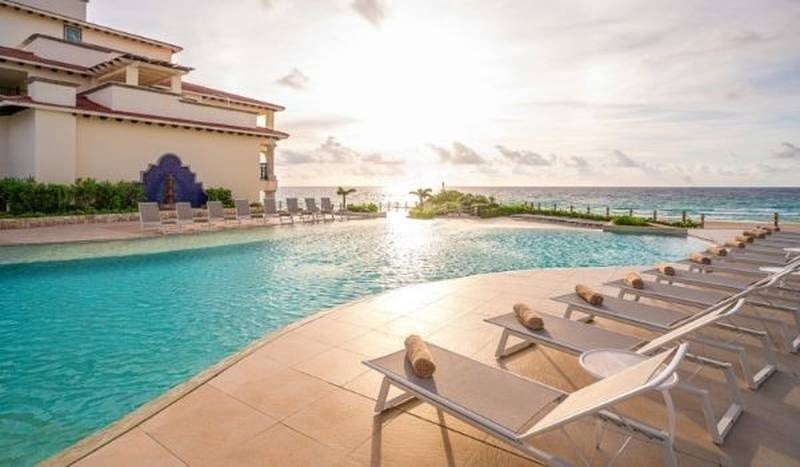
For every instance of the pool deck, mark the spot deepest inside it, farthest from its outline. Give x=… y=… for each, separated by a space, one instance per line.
x=301 y=396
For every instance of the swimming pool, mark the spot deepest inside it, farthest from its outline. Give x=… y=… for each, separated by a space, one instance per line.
x=85 y=341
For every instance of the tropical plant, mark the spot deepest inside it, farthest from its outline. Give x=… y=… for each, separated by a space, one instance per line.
x=422 y=194
x=364 y=207
x=27 y=197
x=221 y=194
x=344 y=192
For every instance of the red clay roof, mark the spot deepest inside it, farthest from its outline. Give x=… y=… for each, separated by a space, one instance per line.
x=8 y=52
x=226 y=95
x=88 y=105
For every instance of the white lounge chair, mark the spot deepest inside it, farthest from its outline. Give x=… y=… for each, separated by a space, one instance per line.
x=216 y=213
x=243 y=213
x=327 y=208
x=516 y=410
x=311 y=208
x=184 y=215
x=150 y=218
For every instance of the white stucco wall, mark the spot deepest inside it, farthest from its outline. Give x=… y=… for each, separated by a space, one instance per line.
x=142 y=101
x=111 y=150
x=16 y=26
x=52 y=93
x=4 y=147
x=66 y=52
x=54 y=146
x=21 y=144
x=71 y=8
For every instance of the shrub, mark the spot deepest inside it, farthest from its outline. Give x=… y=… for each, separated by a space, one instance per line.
x=363 y=207
x=503 y=210
x=220 y=194
x=631 y=220
x=30 y=198
x=424 y=212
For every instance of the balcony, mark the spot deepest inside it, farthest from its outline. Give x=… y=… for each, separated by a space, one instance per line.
x=270 y=186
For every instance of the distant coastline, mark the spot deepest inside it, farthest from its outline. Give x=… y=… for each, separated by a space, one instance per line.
x=717 y=203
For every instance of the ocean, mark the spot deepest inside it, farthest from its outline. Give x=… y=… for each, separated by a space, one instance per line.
x=721 y=204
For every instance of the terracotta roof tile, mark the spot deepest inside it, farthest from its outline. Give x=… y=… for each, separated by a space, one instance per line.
x=190 y=87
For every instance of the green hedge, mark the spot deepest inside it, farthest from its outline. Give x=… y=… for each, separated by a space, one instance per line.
x=364 y=207
x=220 y=194
x=27 y=197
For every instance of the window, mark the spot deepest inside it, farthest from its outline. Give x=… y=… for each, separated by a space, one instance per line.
x=263 y=172
x=72 y=33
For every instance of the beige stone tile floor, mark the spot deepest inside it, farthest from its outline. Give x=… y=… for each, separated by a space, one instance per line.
x=304 y=398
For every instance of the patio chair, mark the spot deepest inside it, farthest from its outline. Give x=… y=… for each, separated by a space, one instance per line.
x=327 y=208
x=293 y=207
x=242 y=207
x=313 y=209
x=729 y=283
x=665 y=320
x=150 y=217
x=703 y=298
x=271 y=210
x=184 y=215
x=216 y=213
x=516 y=410
x=577 y=338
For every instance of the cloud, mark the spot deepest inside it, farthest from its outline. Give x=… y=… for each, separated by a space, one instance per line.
x=577 y=161
x=295 y=80
x=527 y=157
x=380 y=159
x=266 y=3
x=337 y=153
x=461 y=154
x=788 y=151
x=373 y=11
x=296 y=158
x=318 y=123
x=624 y=160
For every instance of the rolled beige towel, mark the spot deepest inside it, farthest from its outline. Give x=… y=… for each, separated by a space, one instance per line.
x=419 y=356
x=718 y=251
x=666 y=269
x=589 y=295
x=699 y=258
x=755 y=233
x=528 y=318
x=733 y=243
x=767 y=230
x=634 y=280
x=744 y=238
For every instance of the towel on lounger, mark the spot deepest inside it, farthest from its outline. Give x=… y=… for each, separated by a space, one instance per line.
x=699 y=258
x=718 y=251
x=528 y=318
x=634 y=280
x=666 y=269
x=419 y=356
x=734 y=243
x=745 y=238
x=589 y=295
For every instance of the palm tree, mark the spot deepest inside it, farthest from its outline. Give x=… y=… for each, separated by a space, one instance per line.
x=422 y=194
x=343 y=192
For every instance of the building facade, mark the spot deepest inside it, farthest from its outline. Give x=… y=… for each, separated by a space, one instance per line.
x=81 y=100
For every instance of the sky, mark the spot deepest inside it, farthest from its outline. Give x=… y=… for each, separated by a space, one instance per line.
x=503 y=92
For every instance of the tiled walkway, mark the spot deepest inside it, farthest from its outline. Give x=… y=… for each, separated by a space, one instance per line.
x=303 y=398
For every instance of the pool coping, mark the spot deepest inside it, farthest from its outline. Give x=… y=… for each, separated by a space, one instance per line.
x=93 y=442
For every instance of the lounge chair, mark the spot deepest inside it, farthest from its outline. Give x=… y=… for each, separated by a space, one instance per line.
x=293 y=207
x=327 y=208
x=515 y=409
x=313 y=209
x=703 y=298
x=150 y=217
x=726 y=282
x=243 y=211
x=184 y=215
x=577 y=338
x=665 y=320
x=271 y=210
x=216 y=213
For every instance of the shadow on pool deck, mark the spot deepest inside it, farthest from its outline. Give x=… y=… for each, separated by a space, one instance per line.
x=302 y=396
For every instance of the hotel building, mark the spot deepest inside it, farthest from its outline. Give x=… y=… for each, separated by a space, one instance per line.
x=81 y=100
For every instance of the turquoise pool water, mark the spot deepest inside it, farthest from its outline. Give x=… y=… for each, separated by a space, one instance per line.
x=85 y=341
